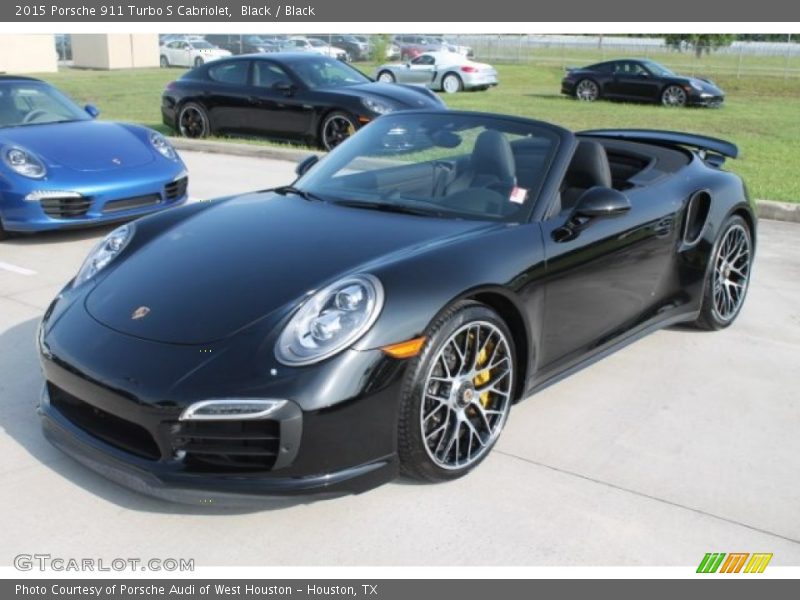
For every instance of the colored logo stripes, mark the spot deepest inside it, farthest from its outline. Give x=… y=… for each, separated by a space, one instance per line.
x=734 y=562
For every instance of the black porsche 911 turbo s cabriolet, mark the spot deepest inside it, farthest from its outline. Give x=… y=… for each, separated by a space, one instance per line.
x=384 y=312
x=298 y=96
x=640 y=79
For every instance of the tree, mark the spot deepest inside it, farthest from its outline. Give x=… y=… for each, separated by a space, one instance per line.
x=699 y=42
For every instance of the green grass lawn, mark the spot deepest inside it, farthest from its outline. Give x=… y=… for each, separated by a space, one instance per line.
x=761 y=115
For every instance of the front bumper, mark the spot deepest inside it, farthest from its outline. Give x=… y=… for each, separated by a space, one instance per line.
x=709 y=100
x=72 y=206
x=117 y=412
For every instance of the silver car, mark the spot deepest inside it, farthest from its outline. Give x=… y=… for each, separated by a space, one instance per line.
x=446 y=71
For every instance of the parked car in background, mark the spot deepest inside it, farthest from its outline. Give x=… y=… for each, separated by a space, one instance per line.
x=61 y=168
x=357 y=49
x=639 y=79
x=322 y=47
x=300 y=44
x=240 y=44
x=441 y=71
x=303 y=96
x=190 y=53
x=63 y=46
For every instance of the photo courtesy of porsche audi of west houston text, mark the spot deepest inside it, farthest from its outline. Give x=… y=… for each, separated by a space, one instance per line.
x=150 y=11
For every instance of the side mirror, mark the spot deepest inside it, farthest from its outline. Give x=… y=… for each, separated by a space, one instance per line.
x=284 y=86
x=92 y=110
x=305 y=165
x=595 y=203
x=598 y=202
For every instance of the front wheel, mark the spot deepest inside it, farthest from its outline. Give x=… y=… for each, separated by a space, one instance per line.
x=336 y=128
x=673 y=96
x=386 y=77
x=3 y=233
x=164 y=62
x=457 y=394
x=452 y=83
x=728 y=277
x=198 y=61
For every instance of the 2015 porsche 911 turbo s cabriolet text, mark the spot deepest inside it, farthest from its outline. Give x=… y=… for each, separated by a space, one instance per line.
x=384 y=312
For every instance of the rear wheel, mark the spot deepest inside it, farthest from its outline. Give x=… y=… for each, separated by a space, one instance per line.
x=452 y=83
x=198 y=61
x=164 y=62
x=729 y=276
x=336 y=128
x=673 y=95
x=193 y=121
x=457 y=394
x=587 y=90
x=386 y=77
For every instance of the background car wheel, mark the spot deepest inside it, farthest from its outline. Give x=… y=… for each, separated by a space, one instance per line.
x=452 y=83
x=673 y=95
x=164 y=62
x=198 y=61
x=457 y=394
x=336 y=128
x=587 y=90
x=193 y=121
x=728 y=277
x=386 y=77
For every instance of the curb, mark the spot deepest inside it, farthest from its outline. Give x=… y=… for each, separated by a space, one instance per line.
x=766 y=209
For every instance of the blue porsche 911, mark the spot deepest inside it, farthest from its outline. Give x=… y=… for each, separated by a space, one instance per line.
x=61 y=168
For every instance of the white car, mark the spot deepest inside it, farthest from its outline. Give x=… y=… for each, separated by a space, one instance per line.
x=300 y=44
x=322 y=47
x=189 y=53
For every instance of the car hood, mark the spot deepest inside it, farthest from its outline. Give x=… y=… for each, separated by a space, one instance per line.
x=82 y=145
x=402 y=96
x=241 y=260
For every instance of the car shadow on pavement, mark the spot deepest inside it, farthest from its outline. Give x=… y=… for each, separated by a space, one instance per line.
x=20 y=387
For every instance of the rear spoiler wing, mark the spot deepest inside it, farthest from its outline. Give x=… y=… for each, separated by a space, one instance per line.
x=669 y=138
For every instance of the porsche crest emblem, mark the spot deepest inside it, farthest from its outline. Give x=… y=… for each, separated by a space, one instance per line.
x=140 y=313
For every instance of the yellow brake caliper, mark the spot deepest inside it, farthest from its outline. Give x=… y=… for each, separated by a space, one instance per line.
x=483 y=376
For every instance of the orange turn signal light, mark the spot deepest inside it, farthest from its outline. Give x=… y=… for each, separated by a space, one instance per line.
x=405 y=349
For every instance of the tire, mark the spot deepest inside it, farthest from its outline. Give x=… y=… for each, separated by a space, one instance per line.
x=198 y=62
x=386 y=77
x=674 y=96
x=587 y=90
x=4 y=235
x=444 y=440
x=164 y=62
x=728 y=280
x=336 y=127
x=193 y=121
x=451 y=83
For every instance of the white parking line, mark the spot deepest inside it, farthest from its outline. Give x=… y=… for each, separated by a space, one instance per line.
x=15 y=269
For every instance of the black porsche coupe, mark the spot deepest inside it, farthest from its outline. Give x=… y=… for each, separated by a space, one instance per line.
x=384 y=312
x=300 y=96
x=642 y=80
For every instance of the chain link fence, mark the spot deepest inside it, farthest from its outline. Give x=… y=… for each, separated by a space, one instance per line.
x=776 y=59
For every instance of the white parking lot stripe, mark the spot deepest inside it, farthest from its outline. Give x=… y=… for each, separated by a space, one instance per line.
x=15 y=269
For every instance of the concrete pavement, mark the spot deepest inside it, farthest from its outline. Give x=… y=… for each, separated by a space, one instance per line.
x=681 y=444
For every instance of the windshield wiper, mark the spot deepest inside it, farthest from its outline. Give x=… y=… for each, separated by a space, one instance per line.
x=389 y=207
x=286 y=190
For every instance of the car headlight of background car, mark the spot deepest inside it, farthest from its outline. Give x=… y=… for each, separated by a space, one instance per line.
x=377 y=106
x=104 y=252
x=162 y=146
x=23 y=162
x=330 y=320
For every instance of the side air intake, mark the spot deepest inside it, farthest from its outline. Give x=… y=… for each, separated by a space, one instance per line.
x=696 y=217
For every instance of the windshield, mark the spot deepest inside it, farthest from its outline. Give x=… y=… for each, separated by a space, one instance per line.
x=327 y=73
x=441 y=164
x=34 y=103
x=657 y=69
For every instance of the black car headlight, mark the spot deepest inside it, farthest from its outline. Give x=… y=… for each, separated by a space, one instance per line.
x=103 y=253
x=23 y=162
x=376 y=106
x=162 y=146
x=330 y=320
